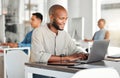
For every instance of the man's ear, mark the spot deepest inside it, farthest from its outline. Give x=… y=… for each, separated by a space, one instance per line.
x=51 y=17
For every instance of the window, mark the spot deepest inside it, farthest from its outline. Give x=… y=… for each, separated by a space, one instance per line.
x=110 y=11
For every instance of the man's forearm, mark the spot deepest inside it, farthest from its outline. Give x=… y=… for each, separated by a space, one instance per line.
x=54 y=58
x=72 y=57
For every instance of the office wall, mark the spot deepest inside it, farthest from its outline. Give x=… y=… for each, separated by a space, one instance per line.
x=112 y=13
x=76 y=8
x=112 y=17
x=61 y=2
x=25 y=14
x=86 y=9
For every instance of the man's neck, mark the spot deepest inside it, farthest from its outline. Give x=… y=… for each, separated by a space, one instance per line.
x=38 y=26
x=52 y=28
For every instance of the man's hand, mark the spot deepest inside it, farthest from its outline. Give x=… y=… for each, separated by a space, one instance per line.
x=4 y=44
x=13 y=45
x=82 y=56
x=76 y=56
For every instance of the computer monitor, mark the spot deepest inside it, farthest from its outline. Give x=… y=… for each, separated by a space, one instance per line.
x=2 y=29
x=77 y=28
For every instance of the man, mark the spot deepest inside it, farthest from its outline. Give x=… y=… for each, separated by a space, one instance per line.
x=50 y=42
x=102 y=34
x=36 y=20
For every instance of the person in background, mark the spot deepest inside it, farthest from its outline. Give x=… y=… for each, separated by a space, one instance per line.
x=36 y=20
x=102 y=34
x=49 y=42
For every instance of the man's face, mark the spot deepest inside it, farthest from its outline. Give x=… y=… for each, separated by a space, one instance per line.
x=35 y=22
x=59 y=18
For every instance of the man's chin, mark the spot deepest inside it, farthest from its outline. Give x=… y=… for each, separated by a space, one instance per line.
x=61 y=29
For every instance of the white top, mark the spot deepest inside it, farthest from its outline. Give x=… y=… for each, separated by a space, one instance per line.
x=46 y=43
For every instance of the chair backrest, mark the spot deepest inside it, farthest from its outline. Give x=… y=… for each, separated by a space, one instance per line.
x=97 y=73
x=14 y=63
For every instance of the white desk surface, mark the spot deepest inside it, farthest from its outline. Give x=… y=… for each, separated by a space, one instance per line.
x=31 y=68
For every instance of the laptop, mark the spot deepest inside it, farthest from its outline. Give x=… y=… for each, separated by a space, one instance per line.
x=97 y=53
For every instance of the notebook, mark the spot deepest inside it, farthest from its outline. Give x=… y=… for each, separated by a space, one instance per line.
x=114 y=56
x=98 y=51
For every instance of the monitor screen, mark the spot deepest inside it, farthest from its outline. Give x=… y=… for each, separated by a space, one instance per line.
x=77 y=28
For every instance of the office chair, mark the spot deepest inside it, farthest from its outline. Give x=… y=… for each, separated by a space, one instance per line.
x=14 y=60
x=97 y=73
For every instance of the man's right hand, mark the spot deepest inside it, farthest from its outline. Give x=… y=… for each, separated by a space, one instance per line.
x=11 y=45
x=77 y=56
x=4 y=44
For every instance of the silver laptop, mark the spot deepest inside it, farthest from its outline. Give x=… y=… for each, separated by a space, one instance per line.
x=98 y=51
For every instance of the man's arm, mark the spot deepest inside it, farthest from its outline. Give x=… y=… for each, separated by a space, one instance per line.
x=73 y=48
x=69 y=58
x=38 y=53
x=24 y=45
x=27 y=40
x=74 y=52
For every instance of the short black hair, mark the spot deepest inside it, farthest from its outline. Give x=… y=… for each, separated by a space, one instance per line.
x=38 y=15
x=55 y=7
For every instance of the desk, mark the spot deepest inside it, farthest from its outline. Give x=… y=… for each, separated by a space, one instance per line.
x=61 y=71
